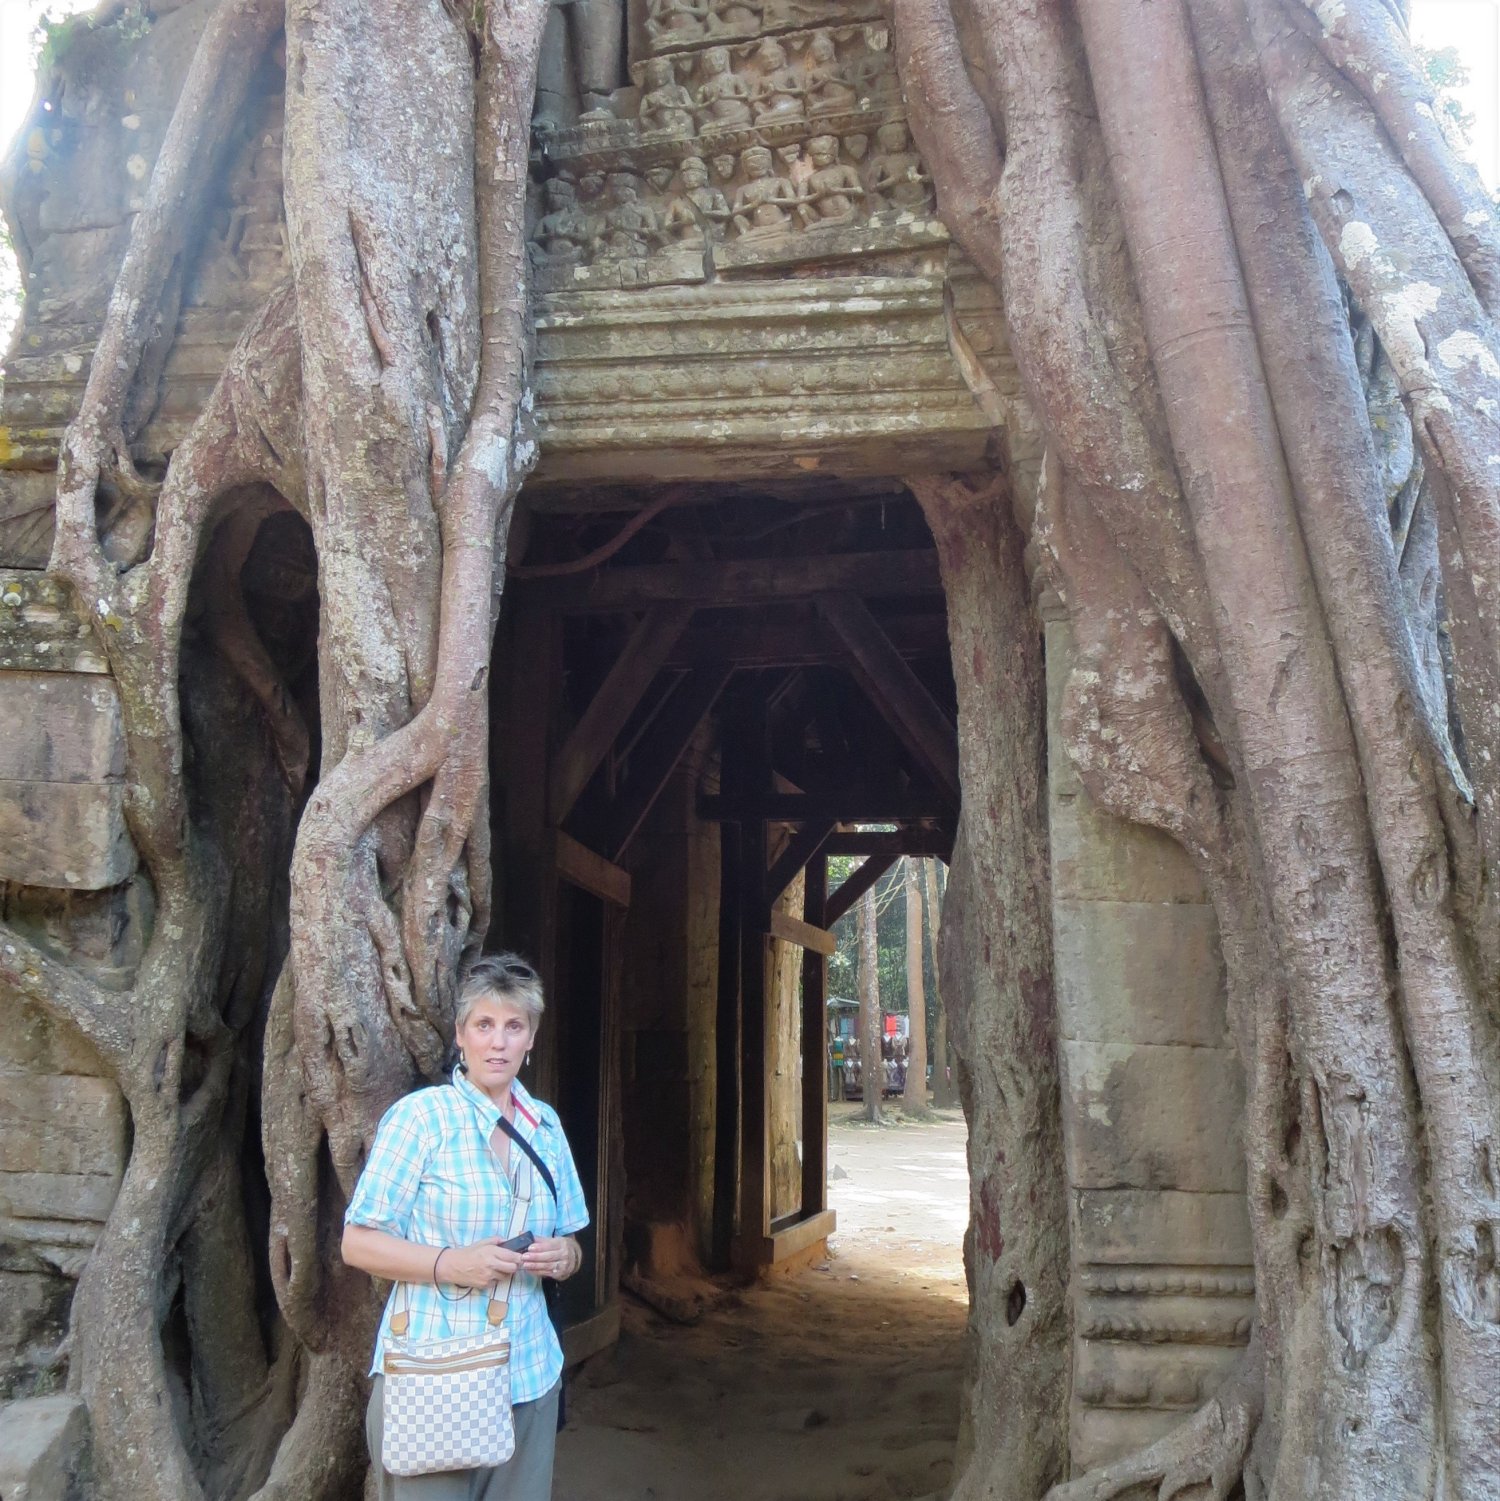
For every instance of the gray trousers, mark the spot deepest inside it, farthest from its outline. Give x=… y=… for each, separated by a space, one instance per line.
x=527 y=1477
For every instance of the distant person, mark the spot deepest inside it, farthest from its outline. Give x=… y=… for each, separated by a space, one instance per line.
x=448 y=1179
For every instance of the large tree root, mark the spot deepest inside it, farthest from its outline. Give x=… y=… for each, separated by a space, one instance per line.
x=1203 y=1459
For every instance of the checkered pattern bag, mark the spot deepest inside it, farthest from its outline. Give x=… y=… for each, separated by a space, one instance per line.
x=447 y=1401
x=447 y=1404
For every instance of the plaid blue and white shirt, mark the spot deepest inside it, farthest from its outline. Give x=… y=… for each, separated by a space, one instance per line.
x=433 y=1179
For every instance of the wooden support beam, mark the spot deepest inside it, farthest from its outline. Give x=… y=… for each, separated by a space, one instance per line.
x=755 y=1042
x=804 y=844
x=793 y=930
x=815 y=1044
x=744 y=581
x=766 y=638
x=896 y=690
x=579 y=864
x=855 y=885
x=907 y=841
x=655 y=758
x=855 y=806
x=728 y=1081
x=612 y=705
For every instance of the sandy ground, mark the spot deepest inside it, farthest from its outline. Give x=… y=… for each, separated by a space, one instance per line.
x=839 y=1383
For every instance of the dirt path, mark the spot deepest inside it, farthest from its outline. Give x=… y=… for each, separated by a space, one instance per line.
x=838 y=1384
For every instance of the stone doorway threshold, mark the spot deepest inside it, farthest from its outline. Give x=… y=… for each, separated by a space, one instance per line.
x=837 y=1383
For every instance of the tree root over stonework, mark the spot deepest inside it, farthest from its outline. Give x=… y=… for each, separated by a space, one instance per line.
x=1204 y=1458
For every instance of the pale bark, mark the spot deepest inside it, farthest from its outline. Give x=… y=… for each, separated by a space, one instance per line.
x=914 y=1097
x=996 y=974
x=1316 y=781
x=337 y=371
x=944 y=1091
x=871 y=1065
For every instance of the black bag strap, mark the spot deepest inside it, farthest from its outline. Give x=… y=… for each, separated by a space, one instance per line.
x=541 y=1167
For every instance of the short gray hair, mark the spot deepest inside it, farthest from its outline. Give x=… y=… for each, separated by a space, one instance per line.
x=507 y=977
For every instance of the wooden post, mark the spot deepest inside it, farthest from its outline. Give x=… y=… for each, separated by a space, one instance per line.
x=727 y=1021
x=814 y=1047
x=581 y=753
x=755 y=1072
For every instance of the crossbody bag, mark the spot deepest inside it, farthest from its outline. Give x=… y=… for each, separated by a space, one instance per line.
x=447 y=1404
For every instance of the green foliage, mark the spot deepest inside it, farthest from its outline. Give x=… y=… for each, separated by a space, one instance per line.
x=890 y=936
x=1445 y=71
x=58 y=27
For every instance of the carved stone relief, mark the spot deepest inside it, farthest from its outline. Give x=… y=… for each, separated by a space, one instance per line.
x=726 y=155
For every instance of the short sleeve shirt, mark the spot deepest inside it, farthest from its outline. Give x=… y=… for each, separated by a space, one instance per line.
x=433 y=1179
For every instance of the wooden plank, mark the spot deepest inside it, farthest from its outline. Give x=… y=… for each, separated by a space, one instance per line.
x=897 y=691
x=613 y=704
x=793 y=930
x=815 y=1045
x=855 y=885
x=806 y=1232
x=579 y=864
x=805 y=843
x=754 y=638
x=907 y=841
x=60 y=727
x=70 y=835
x=858 y=805
x=599 y=1332
x=745 y=581
x=655 y=759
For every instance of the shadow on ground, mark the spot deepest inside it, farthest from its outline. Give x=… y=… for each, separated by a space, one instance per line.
x=840 y=1383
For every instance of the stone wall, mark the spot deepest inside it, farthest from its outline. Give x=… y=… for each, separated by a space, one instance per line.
x=66 y=869
x=1152 y=1105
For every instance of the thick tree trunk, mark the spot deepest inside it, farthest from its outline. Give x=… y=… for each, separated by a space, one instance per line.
x=944 y=1088
x=996 y=975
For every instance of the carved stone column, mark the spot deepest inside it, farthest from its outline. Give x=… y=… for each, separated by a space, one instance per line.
x=1152 y=1114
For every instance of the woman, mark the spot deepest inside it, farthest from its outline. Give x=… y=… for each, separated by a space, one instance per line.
x=434 y=1203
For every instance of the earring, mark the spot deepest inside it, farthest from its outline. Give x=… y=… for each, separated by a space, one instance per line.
x=463 y=1066
x=528 y=1058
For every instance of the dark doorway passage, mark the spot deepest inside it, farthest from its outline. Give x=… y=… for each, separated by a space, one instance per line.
x=704 y=695
x=839 y=1382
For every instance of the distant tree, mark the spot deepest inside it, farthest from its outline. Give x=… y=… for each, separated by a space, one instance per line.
x=1446 y=72
x=943 y=1091
x=872 y=1071
x=914 y=1097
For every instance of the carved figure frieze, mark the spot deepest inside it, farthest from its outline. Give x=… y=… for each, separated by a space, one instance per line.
x=895 y=179
x=825 y=83
x=832 y=80
x=631 y=228
x=724 y=97
x=833 y=194
x=666 y=106
x=779 y=88
x=674 y=24
x=782 y=148
x=765 y=203
x=698 y=212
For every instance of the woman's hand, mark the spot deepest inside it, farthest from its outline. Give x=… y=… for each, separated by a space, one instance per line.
x=555 y=1256
x=479 y=1265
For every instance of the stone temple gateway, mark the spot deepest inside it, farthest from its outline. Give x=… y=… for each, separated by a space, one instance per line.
x=751 y=330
